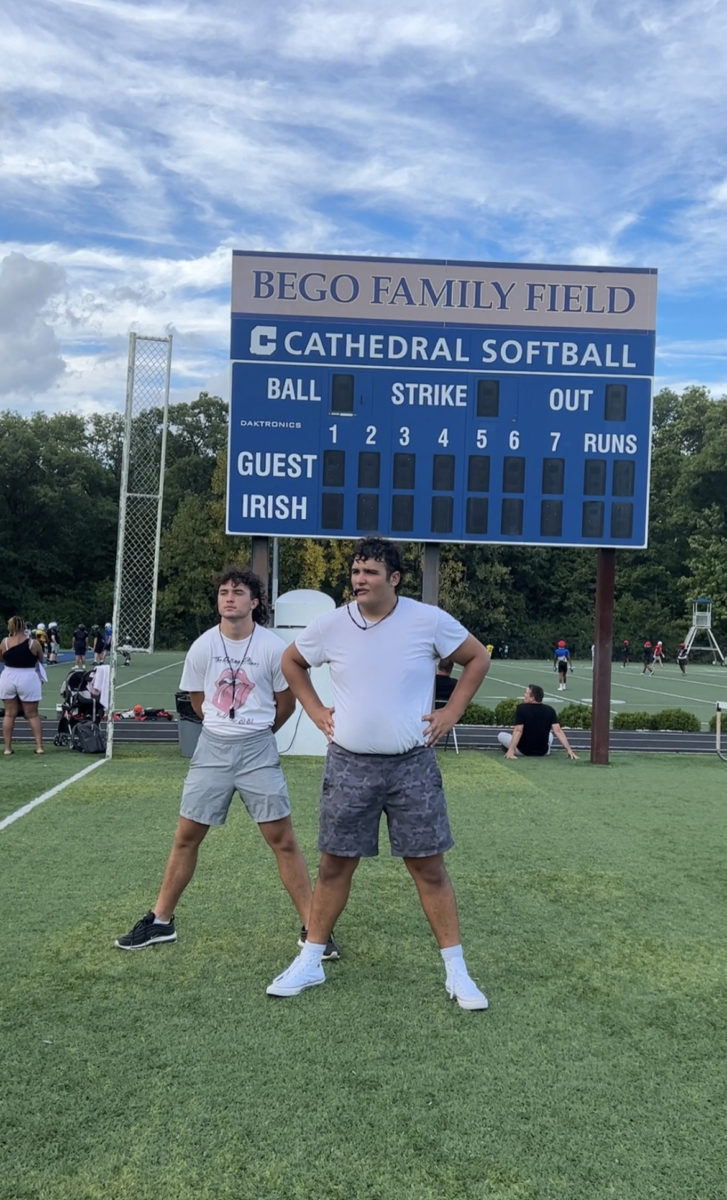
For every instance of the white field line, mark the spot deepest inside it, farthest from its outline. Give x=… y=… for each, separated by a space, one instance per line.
x=21 y=812
x=625 y=685
x=128 y=682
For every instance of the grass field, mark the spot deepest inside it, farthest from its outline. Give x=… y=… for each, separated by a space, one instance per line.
x=593 y=913
x=152 y=681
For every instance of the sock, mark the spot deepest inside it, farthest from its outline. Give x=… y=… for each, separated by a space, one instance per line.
x=312 y=952
x=452 y=955
x=157 y=921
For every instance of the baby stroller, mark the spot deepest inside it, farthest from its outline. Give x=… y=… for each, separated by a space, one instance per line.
x=81 y=712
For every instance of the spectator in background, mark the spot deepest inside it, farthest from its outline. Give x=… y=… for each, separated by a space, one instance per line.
x=561 y=662
x=54 y=643
x=99 y=645
x=21 y=682
x=40 y=634
x=535 y=725
x=682 y=657
x=648 y=659
x=444 y=685
x=80 y=645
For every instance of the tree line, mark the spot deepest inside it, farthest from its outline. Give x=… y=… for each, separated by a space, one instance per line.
x=59 y=488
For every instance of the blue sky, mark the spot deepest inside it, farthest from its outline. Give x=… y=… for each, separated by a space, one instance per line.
x=142 y=142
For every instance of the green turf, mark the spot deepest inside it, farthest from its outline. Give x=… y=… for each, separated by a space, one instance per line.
x=24 y=776
x=592 y=915
x=631 y=691
x=153 y=679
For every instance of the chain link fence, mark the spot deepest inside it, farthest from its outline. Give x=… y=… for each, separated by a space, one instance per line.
x=140 y=501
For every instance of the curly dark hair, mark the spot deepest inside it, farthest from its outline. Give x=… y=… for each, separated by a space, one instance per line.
x=255 y=586
x=380 y=550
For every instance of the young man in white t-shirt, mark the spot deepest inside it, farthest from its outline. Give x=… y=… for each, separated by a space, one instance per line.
x=382 y=652
x=235 y=684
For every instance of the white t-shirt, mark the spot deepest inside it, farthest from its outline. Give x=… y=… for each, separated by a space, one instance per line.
x=239 y=675
x=383 y=676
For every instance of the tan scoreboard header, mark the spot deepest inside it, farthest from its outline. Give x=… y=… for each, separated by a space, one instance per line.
x=443 y=293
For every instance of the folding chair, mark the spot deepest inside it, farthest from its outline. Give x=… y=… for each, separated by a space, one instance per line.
x=444 y=685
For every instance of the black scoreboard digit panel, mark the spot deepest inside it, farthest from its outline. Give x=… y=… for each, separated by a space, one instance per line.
x=440 y=402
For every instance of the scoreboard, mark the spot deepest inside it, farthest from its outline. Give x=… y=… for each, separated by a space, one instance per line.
x=440 y=401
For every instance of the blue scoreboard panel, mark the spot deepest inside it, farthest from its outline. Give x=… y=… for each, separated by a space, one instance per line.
x=440 y=402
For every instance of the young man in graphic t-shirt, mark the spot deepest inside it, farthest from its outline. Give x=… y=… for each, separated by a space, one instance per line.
x=535 y=725
x=233 y=676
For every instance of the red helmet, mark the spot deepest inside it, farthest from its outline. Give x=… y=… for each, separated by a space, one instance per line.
x=647 y=644
x=561 y=644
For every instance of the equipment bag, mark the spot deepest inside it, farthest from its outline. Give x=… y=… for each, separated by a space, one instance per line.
x=88 y=738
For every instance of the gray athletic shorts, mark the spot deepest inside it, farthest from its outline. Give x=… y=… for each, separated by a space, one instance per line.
x=357 y=788
x=220 y=766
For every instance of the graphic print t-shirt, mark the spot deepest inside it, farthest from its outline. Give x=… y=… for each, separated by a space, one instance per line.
x=235 y=675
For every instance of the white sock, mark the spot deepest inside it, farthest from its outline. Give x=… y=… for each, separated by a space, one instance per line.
x=452 y=956
x=158 y=921
x=312 y=952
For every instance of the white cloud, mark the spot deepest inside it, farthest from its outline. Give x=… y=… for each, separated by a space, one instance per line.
x=140 y=143
x=30 y=359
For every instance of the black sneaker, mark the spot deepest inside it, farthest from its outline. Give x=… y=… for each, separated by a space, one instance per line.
x=331 y=950
x=147 y=932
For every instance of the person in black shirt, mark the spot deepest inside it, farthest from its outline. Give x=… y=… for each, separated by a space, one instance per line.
x=444 y=685
x=20 y=682
x=99 y=645
x=80 y=645
x=535 y=725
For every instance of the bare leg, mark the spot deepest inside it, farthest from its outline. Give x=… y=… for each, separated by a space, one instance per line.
x=31 y=714
x=329 y=895
x=180 y=866
x=437 y=897
x=292 y=868
x=12 y=708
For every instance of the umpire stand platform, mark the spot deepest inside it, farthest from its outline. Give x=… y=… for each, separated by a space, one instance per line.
x=702 y=623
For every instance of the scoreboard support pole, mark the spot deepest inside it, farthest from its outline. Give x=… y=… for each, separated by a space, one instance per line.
x=430 y=573
x=601 y=710
x=260 y=560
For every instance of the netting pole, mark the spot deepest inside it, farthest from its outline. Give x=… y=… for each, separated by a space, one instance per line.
x=140 y=502
x=160 y=500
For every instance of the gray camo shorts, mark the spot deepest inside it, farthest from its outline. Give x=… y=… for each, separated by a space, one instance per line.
x=358 y=788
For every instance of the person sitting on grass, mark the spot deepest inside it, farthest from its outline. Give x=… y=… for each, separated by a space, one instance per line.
x=535 y=725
